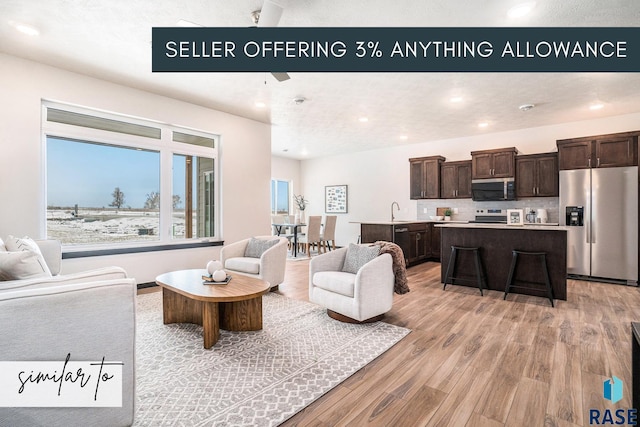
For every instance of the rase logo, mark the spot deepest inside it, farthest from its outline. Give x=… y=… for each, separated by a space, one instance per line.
x=612 y=391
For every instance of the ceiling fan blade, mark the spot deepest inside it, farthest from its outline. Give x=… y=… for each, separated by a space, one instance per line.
x=270 y=14
x=281 y=76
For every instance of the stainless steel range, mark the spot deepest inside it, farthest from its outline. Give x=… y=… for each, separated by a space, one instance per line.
x=491 y=216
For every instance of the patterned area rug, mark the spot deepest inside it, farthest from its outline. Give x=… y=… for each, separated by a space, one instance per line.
x=248 y=378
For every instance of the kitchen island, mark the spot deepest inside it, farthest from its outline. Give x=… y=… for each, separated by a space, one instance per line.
x=496 y=241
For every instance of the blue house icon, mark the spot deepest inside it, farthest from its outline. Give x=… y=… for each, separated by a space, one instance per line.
x=612 y=389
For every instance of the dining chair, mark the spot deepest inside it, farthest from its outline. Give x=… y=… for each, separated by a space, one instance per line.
x=276 y=219
x=282 y=231
x=329 y=233
x=312 y=237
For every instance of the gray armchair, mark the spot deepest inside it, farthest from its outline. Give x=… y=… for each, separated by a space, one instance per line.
x=88 y=315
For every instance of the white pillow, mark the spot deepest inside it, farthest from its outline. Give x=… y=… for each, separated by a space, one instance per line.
x=21 y=244
x=15 y=244
x=3 y=248
x=22 y=265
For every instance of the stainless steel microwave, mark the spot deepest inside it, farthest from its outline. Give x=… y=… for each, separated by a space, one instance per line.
x=493 y=190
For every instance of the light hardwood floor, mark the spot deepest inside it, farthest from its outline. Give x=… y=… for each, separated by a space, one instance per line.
x=481 y=361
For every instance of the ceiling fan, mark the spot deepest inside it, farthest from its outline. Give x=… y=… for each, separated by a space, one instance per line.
x=269 y=16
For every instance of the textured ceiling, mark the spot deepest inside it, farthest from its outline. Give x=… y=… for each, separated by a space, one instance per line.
x=111 y=40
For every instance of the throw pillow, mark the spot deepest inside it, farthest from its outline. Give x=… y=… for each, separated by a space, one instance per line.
x=15 y=244
x=3 y=248
x=357 y=256
x=22 y=265
x=256 y=247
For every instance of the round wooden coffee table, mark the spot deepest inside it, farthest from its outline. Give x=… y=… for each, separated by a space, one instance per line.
x=236 y=306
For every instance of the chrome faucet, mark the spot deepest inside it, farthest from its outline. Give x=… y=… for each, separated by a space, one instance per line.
x=394 y=203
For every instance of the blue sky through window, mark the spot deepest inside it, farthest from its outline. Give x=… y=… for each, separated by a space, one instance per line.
x=86 y=174
x=279 y=196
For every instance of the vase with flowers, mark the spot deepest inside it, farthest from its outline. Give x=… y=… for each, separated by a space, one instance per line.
x=301 y=204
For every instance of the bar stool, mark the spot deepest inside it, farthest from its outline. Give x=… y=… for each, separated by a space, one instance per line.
x=451 y=268
x=545 y=272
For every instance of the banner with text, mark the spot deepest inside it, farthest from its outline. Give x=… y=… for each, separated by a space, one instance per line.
x=603 y=49
x=61 y=383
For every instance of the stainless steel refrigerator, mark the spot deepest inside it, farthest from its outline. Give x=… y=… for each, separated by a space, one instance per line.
x=600 y=208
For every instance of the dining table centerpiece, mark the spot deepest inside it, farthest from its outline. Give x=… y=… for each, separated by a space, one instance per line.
x=301 y=204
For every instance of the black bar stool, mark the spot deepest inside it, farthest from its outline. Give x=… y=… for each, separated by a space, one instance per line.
x=451 y=268
x=545 y=272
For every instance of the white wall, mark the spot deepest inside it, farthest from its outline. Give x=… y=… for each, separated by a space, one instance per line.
x=377 y=178
x=244 y=178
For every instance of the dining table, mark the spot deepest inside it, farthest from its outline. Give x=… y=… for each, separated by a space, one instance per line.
x=279 y=227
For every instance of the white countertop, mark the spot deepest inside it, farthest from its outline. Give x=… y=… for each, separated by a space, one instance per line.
x=407 y=221
x=534 y=227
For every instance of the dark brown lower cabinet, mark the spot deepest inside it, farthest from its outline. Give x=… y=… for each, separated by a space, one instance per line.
x=420 y=241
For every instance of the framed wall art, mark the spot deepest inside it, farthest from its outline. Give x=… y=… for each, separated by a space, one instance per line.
x=335 y=199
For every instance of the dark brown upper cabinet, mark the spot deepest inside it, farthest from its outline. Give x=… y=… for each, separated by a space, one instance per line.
x=455 y=180
x=499 y=163
x=425 y=177
x=603 y=151
x=537 y=175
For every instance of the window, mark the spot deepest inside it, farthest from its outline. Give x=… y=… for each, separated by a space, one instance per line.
x=101 y=193
x=114 y=180
x=193 y=197
x=280 y=197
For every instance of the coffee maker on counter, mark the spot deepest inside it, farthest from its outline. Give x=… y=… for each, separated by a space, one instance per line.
x=530 y=215
x=539 y=216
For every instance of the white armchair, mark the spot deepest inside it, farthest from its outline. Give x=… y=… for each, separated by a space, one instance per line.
x=269 y=266
x=88 y=315
x=361 y=297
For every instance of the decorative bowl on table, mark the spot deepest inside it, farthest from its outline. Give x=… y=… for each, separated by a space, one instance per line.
x=436 y=217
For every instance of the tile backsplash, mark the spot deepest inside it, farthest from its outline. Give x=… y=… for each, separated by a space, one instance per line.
x=467 y=207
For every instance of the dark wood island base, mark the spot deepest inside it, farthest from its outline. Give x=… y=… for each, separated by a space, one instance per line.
x=496 y=243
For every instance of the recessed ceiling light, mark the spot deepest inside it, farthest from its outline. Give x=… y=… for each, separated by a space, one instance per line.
x=24 y=28
x=260 y=104
x=596 y=106
x=363 y=119
x=483 y=124
x=404 y=137
x=522 y=9
x=455 y=99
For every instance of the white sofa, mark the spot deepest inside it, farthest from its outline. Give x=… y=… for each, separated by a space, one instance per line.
x=270 y=266
x=361 y=297
x=89 y=315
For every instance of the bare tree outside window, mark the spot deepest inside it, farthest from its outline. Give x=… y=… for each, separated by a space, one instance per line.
x=118 y=198
x=176 y=200
x=153 y=200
